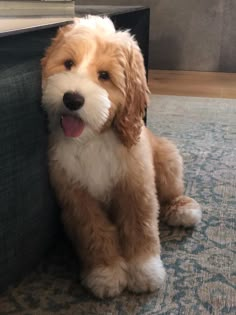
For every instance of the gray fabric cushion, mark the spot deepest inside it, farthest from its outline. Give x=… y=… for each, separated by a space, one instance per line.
x=28 y=212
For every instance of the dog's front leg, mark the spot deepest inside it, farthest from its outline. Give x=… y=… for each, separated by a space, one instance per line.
x=95 y=239
x=135 y=212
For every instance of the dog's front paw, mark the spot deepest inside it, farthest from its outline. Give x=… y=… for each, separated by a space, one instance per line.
x=106 y=281
x=146 y=276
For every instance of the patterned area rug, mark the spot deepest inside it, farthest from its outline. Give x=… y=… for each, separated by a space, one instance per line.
x=200 y=263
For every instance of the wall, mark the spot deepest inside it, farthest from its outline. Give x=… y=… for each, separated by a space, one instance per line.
x=189 y=34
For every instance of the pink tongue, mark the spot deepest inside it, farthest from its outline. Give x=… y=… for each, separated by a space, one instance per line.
x=72 y=126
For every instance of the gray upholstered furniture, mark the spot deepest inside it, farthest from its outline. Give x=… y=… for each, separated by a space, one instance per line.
x=28 y=213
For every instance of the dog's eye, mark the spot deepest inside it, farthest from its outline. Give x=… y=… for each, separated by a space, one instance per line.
x=103 y=75
x=69 y=64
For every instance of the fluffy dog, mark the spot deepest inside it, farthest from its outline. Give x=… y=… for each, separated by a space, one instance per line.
x=112 y=176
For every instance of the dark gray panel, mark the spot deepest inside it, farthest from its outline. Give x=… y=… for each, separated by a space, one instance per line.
x=201 y=49
x=171 y=25
x=228 y=38
x=187 y=35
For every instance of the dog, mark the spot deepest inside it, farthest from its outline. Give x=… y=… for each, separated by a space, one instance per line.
x=113 y=178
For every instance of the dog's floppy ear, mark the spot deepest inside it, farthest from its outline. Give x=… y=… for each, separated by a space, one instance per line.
x=129 y=119
x=56 y=41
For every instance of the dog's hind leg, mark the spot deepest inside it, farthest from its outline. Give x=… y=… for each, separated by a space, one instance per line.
x=175 y=208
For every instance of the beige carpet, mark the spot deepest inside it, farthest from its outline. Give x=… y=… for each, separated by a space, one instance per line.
x=200 y=263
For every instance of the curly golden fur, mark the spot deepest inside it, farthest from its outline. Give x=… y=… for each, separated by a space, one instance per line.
x=112 y=176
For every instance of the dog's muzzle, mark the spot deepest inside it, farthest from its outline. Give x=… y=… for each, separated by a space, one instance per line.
x=71 y=123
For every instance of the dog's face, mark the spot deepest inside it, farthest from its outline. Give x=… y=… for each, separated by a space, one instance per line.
x=93 y=80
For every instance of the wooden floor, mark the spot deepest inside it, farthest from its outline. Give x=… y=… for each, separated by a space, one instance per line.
x=191 y=83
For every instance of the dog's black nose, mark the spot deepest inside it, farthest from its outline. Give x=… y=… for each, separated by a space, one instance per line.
x=73 y=100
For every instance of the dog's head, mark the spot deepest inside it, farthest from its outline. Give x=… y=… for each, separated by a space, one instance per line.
x=93 y=80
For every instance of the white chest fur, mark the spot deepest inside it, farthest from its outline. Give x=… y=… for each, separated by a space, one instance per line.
x=97 y=165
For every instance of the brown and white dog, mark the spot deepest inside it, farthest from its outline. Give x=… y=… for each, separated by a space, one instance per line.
x=112 y=176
